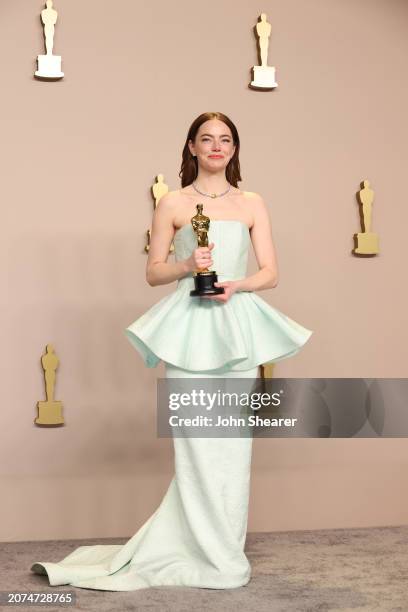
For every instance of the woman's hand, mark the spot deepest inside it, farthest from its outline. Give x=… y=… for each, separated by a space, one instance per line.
x=200 y=258
x=230 y=288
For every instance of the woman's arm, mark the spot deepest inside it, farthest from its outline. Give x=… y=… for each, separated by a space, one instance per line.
x=261 y=236
x=158 y=270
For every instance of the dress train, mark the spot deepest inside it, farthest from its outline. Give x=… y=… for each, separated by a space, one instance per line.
x=196 y=537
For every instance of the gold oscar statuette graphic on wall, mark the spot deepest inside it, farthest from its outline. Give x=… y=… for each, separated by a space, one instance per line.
x=50 y=411
x=266 y=370
x=49 y=65
x=365 y=242
x=263 y=75
x=159 y=189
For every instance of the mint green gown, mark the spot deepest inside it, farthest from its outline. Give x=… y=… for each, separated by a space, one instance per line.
x=196 y=536
x=198 y=335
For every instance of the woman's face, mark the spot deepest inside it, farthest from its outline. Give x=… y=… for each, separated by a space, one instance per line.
x=213 y=145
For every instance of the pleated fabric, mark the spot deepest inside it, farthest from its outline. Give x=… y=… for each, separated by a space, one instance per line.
x=196 y=537
x=198 y=334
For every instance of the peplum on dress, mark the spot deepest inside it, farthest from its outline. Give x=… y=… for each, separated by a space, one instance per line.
x=203 y=335
x=196 y=537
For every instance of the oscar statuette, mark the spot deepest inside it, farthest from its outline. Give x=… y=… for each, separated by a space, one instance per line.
x=50 y=411
x=366 y=242
x=264 y=75
x=204 y=279
x=49 y=65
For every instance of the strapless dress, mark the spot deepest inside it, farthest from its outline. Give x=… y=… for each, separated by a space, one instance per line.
x=196 y=537
x=199 y=334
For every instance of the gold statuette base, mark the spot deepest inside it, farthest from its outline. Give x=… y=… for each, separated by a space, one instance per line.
x=49 y=67
x=366 y=243
x=49 y=413
x=264 y=77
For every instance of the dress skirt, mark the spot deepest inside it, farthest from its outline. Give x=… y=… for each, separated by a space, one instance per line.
x=196 y=537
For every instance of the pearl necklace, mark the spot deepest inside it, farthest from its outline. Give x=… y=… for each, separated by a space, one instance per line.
x=211 y=195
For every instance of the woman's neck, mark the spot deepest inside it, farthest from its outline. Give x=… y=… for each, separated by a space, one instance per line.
x=211 y=183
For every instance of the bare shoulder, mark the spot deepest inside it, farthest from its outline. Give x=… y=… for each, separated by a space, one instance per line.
x=171 y=198
x=168 y=205
x=259 y=210
x=253 y=198
x=255 y=202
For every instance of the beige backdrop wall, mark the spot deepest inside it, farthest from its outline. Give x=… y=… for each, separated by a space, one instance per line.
x=78 y=159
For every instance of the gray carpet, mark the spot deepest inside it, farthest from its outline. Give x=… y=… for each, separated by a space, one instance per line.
x=293 y=571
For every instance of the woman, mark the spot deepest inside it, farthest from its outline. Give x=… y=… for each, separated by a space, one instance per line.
x=196 y=537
